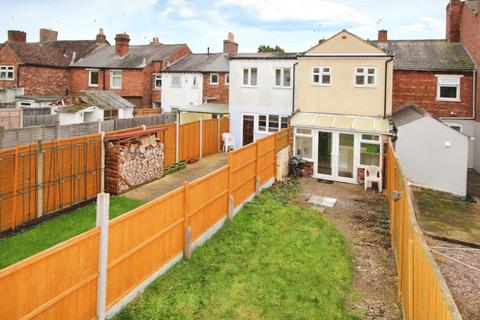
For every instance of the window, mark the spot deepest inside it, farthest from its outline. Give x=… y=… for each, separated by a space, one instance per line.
x=110 y=114
x=227 y=78
x=455 y=126
x=157 y=81
x=250 y=77
x=303 y=143
x=365 y=77
x=214 y=78
x=262 y=123
x=176 y=81
x=448 y=88
x=194 y=82
x=93 y=78
x=271 y=123
x=322 y=75
x=370 y=150
x=283 y=78
x=7 y=73
x=116 y=79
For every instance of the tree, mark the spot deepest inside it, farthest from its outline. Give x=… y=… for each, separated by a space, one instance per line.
x=267 y=48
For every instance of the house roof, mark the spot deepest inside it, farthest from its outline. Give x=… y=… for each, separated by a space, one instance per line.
x=206 y=108
x=106 y=100
x=407 y=115
x=52 y=53
x=200 y=62
x=137 y=58
x=265 y=55
x=429 y=55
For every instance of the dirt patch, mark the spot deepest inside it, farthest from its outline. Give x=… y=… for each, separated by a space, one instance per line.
x=363 y=219
x=462 y=276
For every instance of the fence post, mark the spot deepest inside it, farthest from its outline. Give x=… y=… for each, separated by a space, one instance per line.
x=103 y=203
x=231 y=202
x=219 y=144
x=39 y=179
x=410 y=272
x=102 y=161
x=201 y=138
x=177 y=135
x=187 y=246
x=2 y=133
x=15 y=184
x=258 y=182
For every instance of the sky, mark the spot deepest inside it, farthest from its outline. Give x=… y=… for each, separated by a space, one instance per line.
x=293 y=25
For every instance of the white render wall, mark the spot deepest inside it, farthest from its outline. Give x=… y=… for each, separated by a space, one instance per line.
x=472 y=129
x=185 y=95
x=427 y=161
x=263 y=99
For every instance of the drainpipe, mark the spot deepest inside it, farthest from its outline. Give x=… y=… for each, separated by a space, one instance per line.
x=385 y=92
x=103 y=73
x=293 y=87
x=474 y=102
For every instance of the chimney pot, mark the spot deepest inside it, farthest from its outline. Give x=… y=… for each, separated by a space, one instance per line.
x=229 y=45
x=101 y=38
x=47 y=35
x=155 y=40
x=17 y=36
x=383 y=36
x=121 y=44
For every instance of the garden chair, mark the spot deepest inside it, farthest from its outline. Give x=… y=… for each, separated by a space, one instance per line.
x=373 y=174
x=228 y=141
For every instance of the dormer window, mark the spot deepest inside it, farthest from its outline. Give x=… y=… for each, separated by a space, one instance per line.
x=365 y=76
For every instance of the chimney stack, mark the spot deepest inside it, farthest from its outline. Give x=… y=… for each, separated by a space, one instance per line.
x=454 y=11
x=229 y=45
x=121 y=44
x=101 y=37
x=155 y=40
x=383 y=36
x=17 y=36
x=48 y=35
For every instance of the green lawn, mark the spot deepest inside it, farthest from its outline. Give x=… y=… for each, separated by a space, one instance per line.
x=276 y=260
x=61 y=228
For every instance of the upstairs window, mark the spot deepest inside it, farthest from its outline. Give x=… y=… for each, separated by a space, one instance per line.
x=157 y=81
x=194 y=82
x=227 y=78
x=176 y=81
x=283 y=77
x=214 y=78
x=93 y=78
x=250 y=77
x=448 y=88
x=365 y=77
x=116 y=79
x=321 y=75
x=7 y=73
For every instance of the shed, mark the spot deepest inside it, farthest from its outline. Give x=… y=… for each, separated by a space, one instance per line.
x=431 y=153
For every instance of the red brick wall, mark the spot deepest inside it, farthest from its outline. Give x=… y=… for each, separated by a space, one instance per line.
x=8 y=58
x=420 y=88
x=220 y=90
x=44 y=80
x=454 y=10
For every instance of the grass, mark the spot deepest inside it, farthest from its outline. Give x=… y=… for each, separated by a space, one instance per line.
x=276 y=260
x=43 y=236
x=446 y=215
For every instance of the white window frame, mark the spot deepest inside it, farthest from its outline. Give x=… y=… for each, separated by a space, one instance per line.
x=451 y=125
x=90 y=84
x=282 y=77
x=227 y=79
x=267 y=126
x=194 y=81
x=157 y=76
x=303 y=135
x=321 y=72
x=249 y=77
x=112 y=76
x=377 y=142
x=455 y=78
x=6 y=70
x=216 y=83
x=176 y=85
x=365 y=75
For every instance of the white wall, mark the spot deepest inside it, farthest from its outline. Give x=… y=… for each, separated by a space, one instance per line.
x=427 y=161
x=125 y=113
x=184 y=95
x=263 y=99
x=70 y=118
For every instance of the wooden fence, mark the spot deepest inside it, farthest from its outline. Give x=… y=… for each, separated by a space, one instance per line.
x=136 y=247
x=424 y=293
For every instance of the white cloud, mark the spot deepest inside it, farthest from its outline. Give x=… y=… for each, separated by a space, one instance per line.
x=425 y=25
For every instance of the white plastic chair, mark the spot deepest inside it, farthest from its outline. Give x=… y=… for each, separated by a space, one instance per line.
x=228 y=141
x=373 y=174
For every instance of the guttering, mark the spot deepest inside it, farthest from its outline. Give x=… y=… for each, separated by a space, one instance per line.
x=385 y=89
x=346 y=55
x=474 y=102
x=293 y=91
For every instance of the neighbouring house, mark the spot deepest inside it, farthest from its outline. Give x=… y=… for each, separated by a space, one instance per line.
x=431 y=153
x=261 y=94
x=343 y=103
x=131 y=71
x=41 y=68
x=93 y=105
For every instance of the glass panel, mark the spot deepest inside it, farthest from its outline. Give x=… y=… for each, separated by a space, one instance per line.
x=370 y=154
x=371 y=80
x=316 y=78
x=272 y=123
x=278 y=77
x=371 y=71
x=286 y=77
x=303 y=147
x=248 y=124
x=326 y=79
x=304 y=131
x=262 y=123
x=327 y=70
x=284 y=123
x=448 y=92
x=245 y=76
x=325 y=153
x=360 y=80
x=316 y=70
x=253 y=80
x=94 y=77
x=370 y=137
x=345 y=155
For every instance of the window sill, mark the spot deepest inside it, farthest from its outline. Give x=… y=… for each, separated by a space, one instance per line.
x=249 y=87
x=448 y=100
x=366 y=87
x=286 y=88
x=93 y=86
x=215 y=84
x=7 y=79
x=321 y=85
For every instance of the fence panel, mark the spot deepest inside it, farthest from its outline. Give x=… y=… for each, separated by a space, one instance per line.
x=282 y=139
x=423 y=290
x=142 y=241
x=189 y=141
x=207 y=201
x=266 y=158
x=210 y=137
x=58 y=283
x=170 y=142
x=10 y=118
x=243 y=172
x=40 y=120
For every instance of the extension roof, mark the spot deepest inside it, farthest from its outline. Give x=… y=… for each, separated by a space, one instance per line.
x=106 y=100
x=200 y=62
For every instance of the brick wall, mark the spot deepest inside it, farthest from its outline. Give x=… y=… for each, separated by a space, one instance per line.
x=220 y=90
x=420 y=88
x=44 y=80
x=8 y=58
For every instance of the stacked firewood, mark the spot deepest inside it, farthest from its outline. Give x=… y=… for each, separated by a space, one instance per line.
x=135 y=161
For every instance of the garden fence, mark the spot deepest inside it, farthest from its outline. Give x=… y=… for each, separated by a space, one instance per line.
x=99 y=271
x=424 y=293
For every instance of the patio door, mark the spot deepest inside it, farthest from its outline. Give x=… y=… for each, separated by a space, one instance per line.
x=248 y=125
x=335 y=156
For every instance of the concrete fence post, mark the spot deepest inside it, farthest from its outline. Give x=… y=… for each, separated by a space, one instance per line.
x=201 y=138
x=187 y=246
x=39 y=179
x=219 y=134
x=231 y=204
x=102 y=161
x=103 y=202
